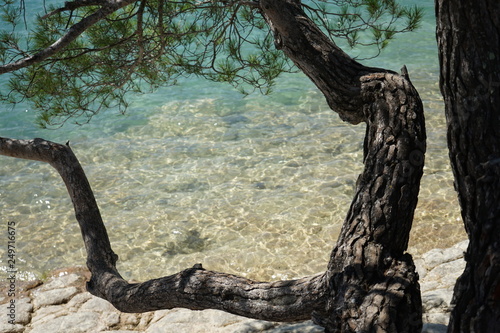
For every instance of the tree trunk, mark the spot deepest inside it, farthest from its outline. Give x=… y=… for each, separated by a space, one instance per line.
x=371 y=284
x=468 y=34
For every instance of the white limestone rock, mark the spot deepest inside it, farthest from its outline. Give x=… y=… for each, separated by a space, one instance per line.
x=80 y=322
x=9 y=328
x=59 y=282
x=53 y=297
x=437 y=257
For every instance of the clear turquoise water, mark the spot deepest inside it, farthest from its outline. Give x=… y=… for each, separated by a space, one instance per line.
x=256 y=186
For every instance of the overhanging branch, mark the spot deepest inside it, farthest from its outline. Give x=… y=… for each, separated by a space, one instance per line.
x=73 y=32
x=194 y=288
x=335 y=73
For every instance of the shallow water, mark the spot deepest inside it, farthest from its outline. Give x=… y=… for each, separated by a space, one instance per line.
x=256 y=186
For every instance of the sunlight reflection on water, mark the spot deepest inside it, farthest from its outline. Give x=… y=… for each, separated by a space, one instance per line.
x=260 y=191
x=256 y=186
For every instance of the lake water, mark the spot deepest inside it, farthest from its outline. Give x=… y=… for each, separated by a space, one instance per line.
x=257 y=186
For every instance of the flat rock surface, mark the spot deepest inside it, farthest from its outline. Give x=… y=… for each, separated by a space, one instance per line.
x=61 y=304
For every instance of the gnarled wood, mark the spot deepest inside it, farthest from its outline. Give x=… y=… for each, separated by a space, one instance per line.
x=194 y=288
x=376 y=286
x=335 y=73
x=373 y=284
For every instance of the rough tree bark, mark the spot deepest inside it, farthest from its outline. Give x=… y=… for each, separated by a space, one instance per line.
x=194 y=288
x=468 y=34
x=370 y=284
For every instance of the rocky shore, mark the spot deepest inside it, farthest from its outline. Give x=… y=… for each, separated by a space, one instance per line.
x=61 y=304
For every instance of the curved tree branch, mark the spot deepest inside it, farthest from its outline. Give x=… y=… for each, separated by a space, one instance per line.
x=335 y=73
x=194 y=288
x=74 y=32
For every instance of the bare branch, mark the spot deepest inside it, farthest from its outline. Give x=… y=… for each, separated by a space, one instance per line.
x=194 y=288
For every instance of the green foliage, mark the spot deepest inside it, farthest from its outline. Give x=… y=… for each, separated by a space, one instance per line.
x=151 y=43
x=364 y=23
